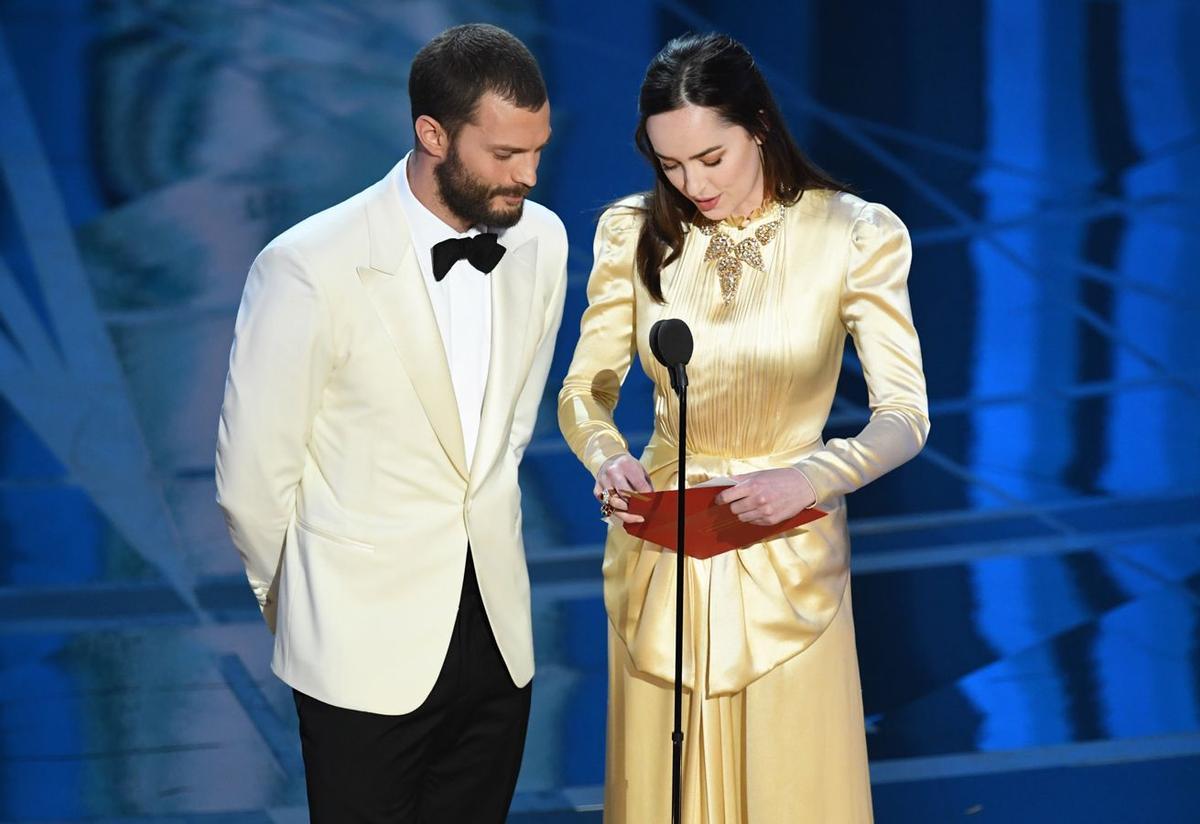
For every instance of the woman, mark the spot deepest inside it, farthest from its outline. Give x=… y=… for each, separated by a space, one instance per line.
x=771 y=264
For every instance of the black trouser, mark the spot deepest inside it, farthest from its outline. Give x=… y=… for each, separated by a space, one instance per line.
x=455 y=758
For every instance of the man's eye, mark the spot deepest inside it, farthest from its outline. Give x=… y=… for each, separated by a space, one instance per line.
x=501 y=156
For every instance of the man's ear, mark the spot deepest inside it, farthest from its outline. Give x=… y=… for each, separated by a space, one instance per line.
x=431 y=137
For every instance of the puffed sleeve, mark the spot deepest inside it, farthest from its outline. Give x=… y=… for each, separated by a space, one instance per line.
x=876 y=313
x=607 y=343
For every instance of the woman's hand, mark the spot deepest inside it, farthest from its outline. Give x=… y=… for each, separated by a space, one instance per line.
x=621 y=472
x=768 y=497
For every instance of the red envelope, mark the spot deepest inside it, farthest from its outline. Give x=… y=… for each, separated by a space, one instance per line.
x=711 y=528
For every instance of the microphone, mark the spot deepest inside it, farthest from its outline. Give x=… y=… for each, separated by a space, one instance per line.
x=671 y=343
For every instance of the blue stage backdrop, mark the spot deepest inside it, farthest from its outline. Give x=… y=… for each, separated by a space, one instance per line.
x=1027 y=590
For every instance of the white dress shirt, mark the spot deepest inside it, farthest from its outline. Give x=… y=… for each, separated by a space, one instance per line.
x=462 y=304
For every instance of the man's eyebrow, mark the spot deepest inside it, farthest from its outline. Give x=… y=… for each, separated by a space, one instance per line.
x=696 y=156
x=517 y=149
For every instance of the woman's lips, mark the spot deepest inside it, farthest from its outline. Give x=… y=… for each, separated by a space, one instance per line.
x=708 y=205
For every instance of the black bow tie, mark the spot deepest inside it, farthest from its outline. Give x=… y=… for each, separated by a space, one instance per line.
x=481 y=251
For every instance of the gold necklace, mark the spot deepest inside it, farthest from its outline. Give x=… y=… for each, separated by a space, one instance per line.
x=731 y=256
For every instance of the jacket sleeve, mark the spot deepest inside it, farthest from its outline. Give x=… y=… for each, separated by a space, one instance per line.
x=530 y=397
x=281 y=358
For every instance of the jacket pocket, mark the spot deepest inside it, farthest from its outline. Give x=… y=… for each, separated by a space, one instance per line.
x=334 y=538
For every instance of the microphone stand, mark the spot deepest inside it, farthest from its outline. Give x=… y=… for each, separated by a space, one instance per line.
x=671 y=342
x=679 y=382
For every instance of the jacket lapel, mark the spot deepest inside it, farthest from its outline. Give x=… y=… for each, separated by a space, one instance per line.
x=512 y=296
x=395 y=286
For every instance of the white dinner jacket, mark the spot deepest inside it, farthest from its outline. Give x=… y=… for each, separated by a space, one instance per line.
x=340 y=461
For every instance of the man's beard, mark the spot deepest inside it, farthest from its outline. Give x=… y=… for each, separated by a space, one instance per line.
x=470 y=199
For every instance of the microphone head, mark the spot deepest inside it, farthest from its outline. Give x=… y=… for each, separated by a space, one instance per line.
x=671 y=342
x=654 y=346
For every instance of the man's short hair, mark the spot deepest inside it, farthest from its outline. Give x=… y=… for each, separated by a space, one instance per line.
x=455 y=69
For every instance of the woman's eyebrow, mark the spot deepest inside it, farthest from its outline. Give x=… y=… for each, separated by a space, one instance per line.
x=696 y=156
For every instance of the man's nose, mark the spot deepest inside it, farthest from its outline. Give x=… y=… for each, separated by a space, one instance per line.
x=525 y=171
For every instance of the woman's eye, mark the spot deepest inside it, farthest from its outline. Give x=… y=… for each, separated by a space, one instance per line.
x=711 y=163
x=667 y=168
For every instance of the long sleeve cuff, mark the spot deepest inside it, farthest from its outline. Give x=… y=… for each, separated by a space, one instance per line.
x=601 y=447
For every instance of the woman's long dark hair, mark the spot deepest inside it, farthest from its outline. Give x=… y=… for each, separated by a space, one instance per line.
x=716 y=72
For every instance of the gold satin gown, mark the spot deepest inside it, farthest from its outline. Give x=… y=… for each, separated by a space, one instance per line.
x=773 y=719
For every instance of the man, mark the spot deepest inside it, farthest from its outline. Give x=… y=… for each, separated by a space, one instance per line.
x=389 y=358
